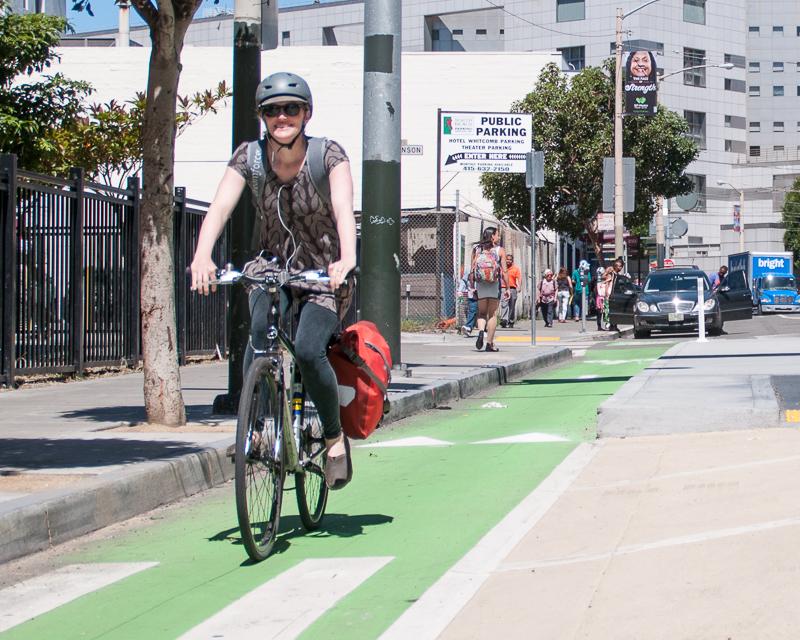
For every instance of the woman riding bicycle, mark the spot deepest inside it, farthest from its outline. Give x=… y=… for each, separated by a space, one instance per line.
x=303 y=231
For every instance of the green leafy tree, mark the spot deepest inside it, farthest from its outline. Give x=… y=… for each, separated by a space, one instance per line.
x=791 y=220
x=31 y=111
x=107 y=140
x=573 y=124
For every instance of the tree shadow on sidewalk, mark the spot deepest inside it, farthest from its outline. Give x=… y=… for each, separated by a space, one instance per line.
x=56 y=453
x=135 y=414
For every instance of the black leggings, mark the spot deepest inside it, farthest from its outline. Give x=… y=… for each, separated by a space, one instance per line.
x=315 y=328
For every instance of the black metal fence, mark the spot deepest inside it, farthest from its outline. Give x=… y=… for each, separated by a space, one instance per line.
x=69 y=265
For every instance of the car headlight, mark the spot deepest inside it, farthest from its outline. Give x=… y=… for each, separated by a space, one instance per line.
x=765 y=300
x=654 y=308
x=642 y=306
x=709 y=304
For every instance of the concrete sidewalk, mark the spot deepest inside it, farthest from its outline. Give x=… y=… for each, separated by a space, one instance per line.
x=75 y=456
x=688 y=534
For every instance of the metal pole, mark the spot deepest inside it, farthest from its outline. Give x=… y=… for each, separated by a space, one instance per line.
x=380 y=218
x=660 y=247
x=438 y=159
x=246 y=76
x=124 y=33
x=533 y=266
x=701 y=312
x=584 y=284
x=741 y=221
x=619 y=220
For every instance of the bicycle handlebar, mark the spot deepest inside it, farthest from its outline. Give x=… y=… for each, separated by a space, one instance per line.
x=229 y=275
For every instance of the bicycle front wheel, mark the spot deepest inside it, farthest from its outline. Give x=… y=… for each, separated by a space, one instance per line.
x=259 y=467
x=310 y=487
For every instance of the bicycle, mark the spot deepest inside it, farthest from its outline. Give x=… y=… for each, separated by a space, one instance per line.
x=278 y=430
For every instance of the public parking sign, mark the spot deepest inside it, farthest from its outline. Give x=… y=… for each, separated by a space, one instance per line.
x=484 y=142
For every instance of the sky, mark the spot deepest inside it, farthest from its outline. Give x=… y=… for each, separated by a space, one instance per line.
x=106 y=12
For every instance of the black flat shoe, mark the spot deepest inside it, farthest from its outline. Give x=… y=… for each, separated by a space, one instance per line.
x=491 y=347
x=479 y=341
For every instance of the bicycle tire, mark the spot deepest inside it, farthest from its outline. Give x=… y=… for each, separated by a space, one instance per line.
x=259 y=471
x=310 y=487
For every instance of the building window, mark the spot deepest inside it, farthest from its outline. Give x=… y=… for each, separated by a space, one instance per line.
x=732 y=84
x=798 y=89
x=777 y=67
x=569 y=10
x=480 y=32
x=329 y=37
x=286 y=38
x=754 y=90
x=694 y=58
x=639 y=45
x=458 y=32
x=694 y=11
x=735 y=122
x=755 y=151
x=798 y=31
x=755 y=30
x=735 y=146
x=755 y=126
x=777 y=90
x=699 y=188
x=754 y=67
x=798 y=125
x=697 y=127
x=777 y=30
x=736 y=61
x=502 y=32
x=573 y=58
x=777 y=126
x=778 y=147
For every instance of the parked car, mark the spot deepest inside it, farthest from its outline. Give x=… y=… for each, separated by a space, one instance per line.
x=668 y=301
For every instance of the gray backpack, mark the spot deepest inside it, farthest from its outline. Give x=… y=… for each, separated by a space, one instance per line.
x=315 y=157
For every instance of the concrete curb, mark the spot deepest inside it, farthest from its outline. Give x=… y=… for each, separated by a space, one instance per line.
x=40 y=521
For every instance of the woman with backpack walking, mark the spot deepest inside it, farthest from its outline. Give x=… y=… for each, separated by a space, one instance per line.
x=546 y=297
x=488 y=273
x=565 y=289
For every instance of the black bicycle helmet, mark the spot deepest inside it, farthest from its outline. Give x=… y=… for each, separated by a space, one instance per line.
x=281 y=87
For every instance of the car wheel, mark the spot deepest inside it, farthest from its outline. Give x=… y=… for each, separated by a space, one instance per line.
x=759 y=310
x=641 y=333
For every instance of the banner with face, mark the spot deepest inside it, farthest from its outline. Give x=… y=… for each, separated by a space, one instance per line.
x=641 y=87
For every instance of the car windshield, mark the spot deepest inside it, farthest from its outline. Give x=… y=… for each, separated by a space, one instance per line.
x=779 y=282
x=665 y=282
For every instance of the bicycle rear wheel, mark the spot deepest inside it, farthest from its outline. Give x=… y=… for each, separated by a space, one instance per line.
x=310 y=487
x=259 y=468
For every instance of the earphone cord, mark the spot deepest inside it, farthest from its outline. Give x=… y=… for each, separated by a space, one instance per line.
x=289 y=231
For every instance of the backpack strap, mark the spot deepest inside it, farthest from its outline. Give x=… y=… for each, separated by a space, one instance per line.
x=316 y=166
x=258 y=179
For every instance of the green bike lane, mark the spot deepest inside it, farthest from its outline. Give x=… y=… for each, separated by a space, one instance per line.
x=420 y=507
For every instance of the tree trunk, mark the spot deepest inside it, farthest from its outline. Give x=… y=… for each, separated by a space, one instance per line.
x=162 y=385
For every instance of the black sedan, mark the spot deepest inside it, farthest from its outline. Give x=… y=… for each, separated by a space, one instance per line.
x=668 y=302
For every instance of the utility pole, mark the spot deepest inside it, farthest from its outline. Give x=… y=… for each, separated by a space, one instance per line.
x=380 y=217
x=660 y=233
x=246 y=76
x=741 y=221
x=619 y=220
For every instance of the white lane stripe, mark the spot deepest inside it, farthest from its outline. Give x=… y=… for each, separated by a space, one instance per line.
x=524 y=438
x=694 y=538
x=286 y=605
x=420 y=441
x=31 y=598
x=428 y=616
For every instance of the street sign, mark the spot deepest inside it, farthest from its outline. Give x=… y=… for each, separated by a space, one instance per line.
x=411 y=150
x=605 y=221
x=628 y=184
x=534 y=169
x=269 y=24
x=484 y=142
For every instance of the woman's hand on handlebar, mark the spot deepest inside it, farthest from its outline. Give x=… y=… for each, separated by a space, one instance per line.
x=203 y=271
x=337 y=271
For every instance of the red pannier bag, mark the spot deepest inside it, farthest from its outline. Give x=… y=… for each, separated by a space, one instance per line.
x=363 y=364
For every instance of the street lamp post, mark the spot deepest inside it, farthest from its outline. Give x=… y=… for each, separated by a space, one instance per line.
x=722 y=183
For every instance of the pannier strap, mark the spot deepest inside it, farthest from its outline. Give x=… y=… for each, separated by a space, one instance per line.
x=361 y=363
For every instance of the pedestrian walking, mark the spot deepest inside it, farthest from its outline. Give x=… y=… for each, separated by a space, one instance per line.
x=546 y=297
x=565 y=289
x=618 y=274
x=468 y=293
x=508 y=303
x=605 y=279
x=579 y=287
x=488 y=274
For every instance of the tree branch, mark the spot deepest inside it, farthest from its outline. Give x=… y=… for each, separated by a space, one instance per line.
x=147 y=10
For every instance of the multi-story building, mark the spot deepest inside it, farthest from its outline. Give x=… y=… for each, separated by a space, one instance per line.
x=745 y=119
x=51 y=7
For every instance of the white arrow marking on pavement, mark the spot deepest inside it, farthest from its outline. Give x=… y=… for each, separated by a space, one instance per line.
x=420 y=441
x=31 y=598
x=428 y=616
x=524 y=438
x=286 y=605
x=588 y=376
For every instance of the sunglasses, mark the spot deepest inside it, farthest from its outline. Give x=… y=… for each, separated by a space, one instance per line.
x=291 y=109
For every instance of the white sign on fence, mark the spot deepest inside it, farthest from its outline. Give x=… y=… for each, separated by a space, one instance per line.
x=605 y=221
x=484 y=142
